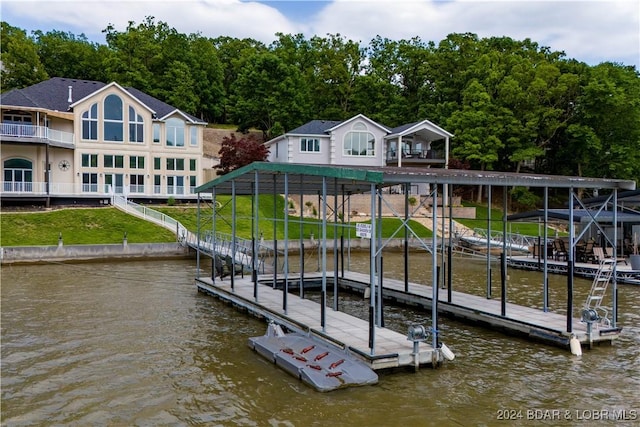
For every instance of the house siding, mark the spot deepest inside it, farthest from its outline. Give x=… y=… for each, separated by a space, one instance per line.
x=136 y=181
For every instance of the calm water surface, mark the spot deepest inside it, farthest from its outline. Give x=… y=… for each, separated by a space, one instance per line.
x=134 y=343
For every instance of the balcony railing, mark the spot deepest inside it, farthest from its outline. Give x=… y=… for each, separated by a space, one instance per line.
x=13 y=188
x=428 y=155
x=35 y=132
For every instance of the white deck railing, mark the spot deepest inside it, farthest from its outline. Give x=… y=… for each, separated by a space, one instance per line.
x=40 y=132
x=16 y=188
x=220 y=243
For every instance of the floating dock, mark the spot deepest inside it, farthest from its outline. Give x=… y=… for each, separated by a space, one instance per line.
x=529 y=322
x=319 y=364
x=624 y=273
x=391 y=349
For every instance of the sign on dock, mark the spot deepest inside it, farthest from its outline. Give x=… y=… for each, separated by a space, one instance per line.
x=363 y=230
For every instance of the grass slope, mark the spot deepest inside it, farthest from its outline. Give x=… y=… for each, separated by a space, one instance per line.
x=108 y=225
x=78 y=226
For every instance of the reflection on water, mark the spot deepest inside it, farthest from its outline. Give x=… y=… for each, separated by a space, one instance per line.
x=135 y=344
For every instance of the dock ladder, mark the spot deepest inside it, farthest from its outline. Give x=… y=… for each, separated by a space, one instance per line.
x=599 y=290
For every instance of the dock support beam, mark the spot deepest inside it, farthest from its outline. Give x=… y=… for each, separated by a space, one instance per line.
x=434 y=267
x=372 y=274
x=570 y=259
x=488 y=241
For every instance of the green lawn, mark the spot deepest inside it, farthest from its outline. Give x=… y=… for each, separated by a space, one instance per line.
x=78 y=226
x=517 y=227
x=108 y=225
x=187 y=215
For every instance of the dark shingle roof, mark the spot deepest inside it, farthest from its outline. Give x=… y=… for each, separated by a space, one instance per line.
x=402 y=128
x=53 y=94
x=315 y=127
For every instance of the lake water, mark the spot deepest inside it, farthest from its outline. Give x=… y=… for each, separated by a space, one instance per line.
x=134 y=343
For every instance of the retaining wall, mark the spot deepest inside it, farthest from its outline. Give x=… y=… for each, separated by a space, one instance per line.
x=37 y=254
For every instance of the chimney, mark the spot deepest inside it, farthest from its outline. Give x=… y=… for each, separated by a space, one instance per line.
x=70 y=100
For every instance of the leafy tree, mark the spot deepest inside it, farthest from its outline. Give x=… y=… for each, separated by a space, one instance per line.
x=65 y=55
x=180 y=94
x=403 y=64
x=608 y=113
x=269 y=93
x=233 y=54
x=206 y=71
x=21 y=66
x=337 y=66
x=235 y=153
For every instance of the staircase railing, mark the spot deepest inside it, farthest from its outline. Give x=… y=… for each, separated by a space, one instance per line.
x=209 y=242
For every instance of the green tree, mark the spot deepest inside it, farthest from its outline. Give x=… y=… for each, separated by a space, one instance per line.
x=181 y=92
x=608 y=112
x=233 y=54
x=21 y=65
x=206 y=71
x=65 y=55
x=137 y=54
x=269 y=93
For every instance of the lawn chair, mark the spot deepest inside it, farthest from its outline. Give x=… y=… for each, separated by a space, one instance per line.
x=586 y=255
x=618 y=259
x=598 y=254
x=560 y=252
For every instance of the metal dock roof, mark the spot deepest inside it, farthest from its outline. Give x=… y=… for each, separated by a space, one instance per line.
x=308 y=179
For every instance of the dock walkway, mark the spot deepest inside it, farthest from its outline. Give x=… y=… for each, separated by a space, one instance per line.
x=392 y=349
x=531 y=322
x=624 y=273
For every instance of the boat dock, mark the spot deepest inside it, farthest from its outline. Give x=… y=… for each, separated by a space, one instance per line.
x=529 y=322
x=333 y=186
x=394 y=349
x=624 y=273
x=350 y=333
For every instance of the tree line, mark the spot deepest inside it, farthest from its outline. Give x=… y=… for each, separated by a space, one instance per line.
x=512 y=105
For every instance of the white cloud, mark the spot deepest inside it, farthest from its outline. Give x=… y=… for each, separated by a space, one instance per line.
x=210 y=17
x=590 y=31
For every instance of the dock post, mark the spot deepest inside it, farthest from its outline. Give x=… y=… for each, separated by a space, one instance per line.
x=450 y=272
x=381 y=299
x=569 y=296
x=406 y=238
x=488 y=241
x=301 y=270
x=503 y=285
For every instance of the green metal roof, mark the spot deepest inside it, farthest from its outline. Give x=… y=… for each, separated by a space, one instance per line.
x=308 y=179
x=302 y=178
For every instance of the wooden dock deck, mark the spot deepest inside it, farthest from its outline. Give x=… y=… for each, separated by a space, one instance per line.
x=624 y=273
x=392 y=349
x=530 y=322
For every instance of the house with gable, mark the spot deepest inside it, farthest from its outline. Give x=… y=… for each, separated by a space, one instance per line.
x=360 y=141
x=78 y=141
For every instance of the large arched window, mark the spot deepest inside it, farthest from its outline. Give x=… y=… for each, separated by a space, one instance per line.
x=359 y=141
x=113 y=119
x=175 y=133
x=18 y=175
x=90 y=123
x=136 y=126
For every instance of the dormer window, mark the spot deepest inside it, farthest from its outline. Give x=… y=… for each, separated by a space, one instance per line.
x=113 y=119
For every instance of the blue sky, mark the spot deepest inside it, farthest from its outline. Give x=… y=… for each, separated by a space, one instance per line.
x=591 y=31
